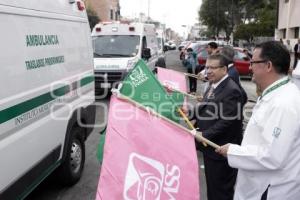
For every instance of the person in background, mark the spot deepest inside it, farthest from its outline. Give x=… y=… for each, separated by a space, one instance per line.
x=281 y=41
x=289 y=46
x=190 y=63
x=247 y=53
x=228 y=52
x=297 y=53
x=212 y=48
x=268 y=160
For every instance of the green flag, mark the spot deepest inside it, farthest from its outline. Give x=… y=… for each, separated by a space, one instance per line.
x=100 y=147
x=142 y=86
x=177 y=97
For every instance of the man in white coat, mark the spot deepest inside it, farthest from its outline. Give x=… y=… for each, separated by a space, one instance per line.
x=268 y=160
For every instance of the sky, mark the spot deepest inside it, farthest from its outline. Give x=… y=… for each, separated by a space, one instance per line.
x=174 y=13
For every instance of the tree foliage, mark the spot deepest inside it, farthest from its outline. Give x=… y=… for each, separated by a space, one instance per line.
x=92 y=17
x=262 y=22
x=246 y=18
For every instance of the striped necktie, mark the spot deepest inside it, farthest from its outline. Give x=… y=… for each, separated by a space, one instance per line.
x=210 y=92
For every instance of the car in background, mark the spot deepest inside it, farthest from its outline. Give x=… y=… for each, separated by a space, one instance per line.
x=170 y=45
x=196 y=46
x=241 y=60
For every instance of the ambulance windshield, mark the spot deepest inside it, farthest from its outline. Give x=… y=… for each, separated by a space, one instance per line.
x=107 y=46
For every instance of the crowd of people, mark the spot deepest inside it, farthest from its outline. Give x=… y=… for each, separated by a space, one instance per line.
x=263 y=161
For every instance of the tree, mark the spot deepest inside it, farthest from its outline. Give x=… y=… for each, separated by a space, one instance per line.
x=92 y=17
x=261 y=23
x=241 y=15
x=220 y=15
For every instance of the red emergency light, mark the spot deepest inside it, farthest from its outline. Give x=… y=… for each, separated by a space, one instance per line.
x=131 y=28
x=98 y=29
x=80 y=5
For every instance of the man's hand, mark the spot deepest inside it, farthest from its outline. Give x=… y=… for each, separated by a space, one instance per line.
x=199 y=98
x=184 y=110
x=223 y=150
x=200 y=76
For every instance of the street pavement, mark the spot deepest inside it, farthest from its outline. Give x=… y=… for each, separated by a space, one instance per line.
x=86 y=188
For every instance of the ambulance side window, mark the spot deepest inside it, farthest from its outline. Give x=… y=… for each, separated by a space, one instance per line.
x=146 y=52
x=144 y=43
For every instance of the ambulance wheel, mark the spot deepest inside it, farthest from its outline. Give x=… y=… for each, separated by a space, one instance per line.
x=71 y=169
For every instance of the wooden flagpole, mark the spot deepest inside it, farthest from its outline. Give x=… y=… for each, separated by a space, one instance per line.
x=194 y=76
x=182 y=113
x=193 y=132
x=184 y=93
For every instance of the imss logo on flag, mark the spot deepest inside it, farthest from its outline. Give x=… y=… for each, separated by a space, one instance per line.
x=147 y=178
x=137 y=76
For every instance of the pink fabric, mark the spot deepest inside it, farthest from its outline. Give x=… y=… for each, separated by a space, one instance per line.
x=172 y=78
x=146 y=158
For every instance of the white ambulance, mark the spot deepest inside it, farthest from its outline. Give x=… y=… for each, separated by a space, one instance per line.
x=46 y=95
x=117 y=47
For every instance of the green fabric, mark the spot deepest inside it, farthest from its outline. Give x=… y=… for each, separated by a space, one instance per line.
x=177 y=97
x=100 y=148
x=141 y=86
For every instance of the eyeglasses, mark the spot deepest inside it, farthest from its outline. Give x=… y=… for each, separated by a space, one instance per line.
x=258 y=61
x=213 y=67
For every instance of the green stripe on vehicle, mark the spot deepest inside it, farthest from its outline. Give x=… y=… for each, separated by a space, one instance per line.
x=16 y=110
x=86 y=80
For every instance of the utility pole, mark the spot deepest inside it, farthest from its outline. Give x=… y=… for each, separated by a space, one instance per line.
x=232 y=23
x=218 y=19
x=148 y=9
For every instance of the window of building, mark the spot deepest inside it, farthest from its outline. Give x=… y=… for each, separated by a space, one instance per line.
x=283 y=33
x=117 y=15
x=297 y=32
x=286 y=1
x=111 y=14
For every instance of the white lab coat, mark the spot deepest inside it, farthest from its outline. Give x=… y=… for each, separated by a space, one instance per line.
x=296 y=75
x=270 y=151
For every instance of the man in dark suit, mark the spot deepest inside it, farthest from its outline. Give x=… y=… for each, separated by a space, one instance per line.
x=228 y=52
x=297 y=53
x=219 y=118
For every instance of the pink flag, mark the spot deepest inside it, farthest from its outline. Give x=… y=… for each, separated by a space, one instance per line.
x=146 y=158
x=172 y=78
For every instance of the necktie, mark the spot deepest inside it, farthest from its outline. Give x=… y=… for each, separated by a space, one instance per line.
x=210 y=92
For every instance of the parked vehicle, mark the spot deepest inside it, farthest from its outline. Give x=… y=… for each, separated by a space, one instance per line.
x=170 y=45
x=241 y=60
x=46 y=95
x=196 y=46
x=161 y=62
x=117 y=48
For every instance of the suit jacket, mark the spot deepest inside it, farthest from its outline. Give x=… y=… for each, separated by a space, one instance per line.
x=296 y=49
x=220 y=118
x=234 y=75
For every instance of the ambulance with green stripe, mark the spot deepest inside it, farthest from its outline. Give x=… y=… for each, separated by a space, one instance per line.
x=47 y=93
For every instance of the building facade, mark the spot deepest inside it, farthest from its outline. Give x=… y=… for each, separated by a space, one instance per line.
x=106 y=10
x=288 y=21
